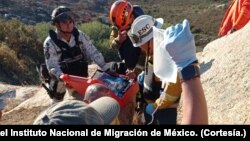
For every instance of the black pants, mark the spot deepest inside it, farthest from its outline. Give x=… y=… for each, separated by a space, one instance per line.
x=161 y=117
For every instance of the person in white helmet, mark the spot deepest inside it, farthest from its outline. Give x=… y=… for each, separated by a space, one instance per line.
x=153 y=87
x=179 y=44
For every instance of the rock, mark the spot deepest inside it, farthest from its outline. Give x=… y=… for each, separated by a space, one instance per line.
x=225 y=77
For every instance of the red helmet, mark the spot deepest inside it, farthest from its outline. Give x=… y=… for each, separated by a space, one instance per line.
x=120 y=13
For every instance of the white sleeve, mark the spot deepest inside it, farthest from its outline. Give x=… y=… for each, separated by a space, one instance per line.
x=52 y=57
x=91 y=51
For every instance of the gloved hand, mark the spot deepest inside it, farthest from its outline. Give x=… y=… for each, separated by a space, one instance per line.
x=179 y=43
x=150 y=108
x=140 y=78
x=55 y=75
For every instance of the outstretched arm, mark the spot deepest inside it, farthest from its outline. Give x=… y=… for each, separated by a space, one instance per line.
x=181 y=47
x=194 y=102
x=91 y=51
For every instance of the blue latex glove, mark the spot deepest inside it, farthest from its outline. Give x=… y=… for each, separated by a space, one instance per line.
x=140 y=78
x=150 y=108
x=179 y=42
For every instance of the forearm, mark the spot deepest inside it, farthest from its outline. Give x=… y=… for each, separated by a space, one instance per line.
x=52 y=57
x=97 y=57
x=194 y=103
x=53 y=66
x=91 y=52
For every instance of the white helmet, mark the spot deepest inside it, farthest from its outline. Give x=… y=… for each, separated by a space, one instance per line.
x=141 y=30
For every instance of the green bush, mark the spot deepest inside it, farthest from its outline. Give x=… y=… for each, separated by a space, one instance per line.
x=22 y=48
x=16 y=71
x=19 y=51
x=99 y=34
x=42 y=29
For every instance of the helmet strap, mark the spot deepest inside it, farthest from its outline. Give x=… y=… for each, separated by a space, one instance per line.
x=64 y=32
x=147 y=58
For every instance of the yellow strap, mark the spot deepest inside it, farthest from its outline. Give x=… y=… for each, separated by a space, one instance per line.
x=165 y=102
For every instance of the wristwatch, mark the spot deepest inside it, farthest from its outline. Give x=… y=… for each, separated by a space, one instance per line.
x=189 y=72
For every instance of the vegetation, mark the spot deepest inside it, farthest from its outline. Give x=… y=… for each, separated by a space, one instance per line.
x=204 y=15
x=21 y=46
x=99 y=34
x=20 y=50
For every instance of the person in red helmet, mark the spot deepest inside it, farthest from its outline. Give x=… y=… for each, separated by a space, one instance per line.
x=122 y=13
x=236 y=17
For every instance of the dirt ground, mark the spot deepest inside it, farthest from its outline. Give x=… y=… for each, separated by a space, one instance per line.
x=30 y=101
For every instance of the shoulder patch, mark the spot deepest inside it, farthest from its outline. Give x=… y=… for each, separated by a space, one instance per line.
x=47 y=44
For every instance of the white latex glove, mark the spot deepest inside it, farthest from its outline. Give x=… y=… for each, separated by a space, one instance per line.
x=179 y=42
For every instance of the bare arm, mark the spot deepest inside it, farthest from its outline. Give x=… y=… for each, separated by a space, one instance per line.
x=181 y=47
x=194 y=103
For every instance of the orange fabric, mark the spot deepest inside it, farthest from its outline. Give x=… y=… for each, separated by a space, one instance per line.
x=236 y=16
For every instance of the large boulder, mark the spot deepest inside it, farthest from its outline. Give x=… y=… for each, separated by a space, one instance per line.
x=225 y=66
